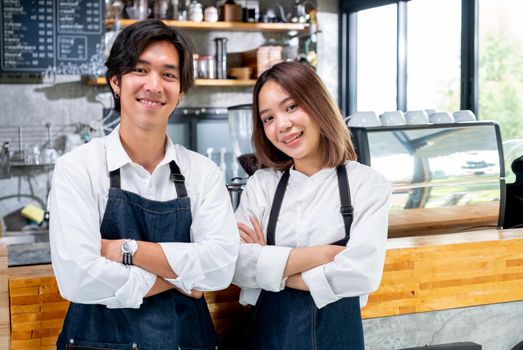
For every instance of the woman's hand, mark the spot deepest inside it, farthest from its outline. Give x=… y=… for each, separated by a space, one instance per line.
x=112 y=249
x=196 y=294
x=248 y=235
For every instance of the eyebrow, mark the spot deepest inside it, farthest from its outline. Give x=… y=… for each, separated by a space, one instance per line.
x=168 y=66
x=279 y=104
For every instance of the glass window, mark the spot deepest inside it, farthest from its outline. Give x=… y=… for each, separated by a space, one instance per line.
x=434 y=55
x=501 y=66
x=376 y=59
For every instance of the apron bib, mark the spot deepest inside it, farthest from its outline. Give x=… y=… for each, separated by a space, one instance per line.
x=289 y=319
x=169 y=320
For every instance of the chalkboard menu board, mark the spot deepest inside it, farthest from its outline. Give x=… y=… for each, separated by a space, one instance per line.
x=52 y=36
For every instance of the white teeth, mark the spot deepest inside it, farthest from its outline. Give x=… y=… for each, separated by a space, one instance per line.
x=294 y=138
x=150 y=103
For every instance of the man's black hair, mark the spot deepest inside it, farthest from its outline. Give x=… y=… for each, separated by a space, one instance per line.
x=131 y=42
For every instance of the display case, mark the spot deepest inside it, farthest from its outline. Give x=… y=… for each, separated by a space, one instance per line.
x=444 y=176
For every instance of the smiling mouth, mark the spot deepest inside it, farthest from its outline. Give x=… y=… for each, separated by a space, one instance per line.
x=151 y=103
x=295 y=137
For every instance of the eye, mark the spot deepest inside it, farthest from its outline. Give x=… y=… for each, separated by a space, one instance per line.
x=266 y=119
x=139 y=70
x=170 y=75
x=291 y=107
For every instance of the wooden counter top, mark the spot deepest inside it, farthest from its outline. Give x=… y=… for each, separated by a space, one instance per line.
x=421 y=274
x=4 y=300
x=429 y=221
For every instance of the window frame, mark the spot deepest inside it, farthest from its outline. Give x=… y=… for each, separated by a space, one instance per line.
x=348 y=19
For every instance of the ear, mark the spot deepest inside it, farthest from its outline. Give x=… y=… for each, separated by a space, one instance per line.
x=115 y=83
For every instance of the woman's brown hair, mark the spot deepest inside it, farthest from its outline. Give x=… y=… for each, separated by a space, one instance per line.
x=308 y=91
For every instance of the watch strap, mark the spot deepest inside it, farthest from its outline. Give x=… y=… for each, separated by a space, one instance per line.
x=127 y=259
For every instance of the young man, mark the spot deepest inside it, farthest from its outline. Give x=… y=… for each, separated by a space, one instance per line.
x=141 y=226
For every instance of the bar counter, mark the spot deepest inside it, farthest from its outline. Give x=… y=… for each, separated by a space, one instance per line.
x=424 y=273
x=4 y=300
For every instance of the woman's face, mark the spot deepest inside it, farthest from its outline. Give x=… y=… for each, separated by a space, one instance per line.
x=289 y=127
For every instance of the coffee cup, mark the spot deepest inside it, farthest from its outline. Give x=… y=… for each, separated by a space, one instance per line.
x=393 y=118
x=363 y=119
x=464 y=116
x=416 y=117
x=441 y=118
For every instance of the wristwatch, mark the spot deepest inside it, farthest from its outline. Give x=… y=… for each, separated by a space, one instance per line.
x=129 y=247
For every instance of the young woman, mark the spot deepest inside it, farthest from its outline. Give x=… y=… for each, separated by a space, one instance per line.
x=313 y=222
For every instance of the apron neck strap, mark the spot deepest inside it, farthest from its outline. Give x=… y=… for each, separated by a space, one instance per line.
x=115 y=178
x=346 y=209
x=276 y=206
x=176 y=177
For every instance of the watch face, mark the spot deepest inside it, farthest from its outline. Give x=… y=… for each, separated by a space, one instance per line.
x=129 y=246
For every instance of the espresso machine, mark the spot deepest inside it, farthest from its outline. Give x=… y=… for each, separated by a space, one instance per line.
x=445 y=177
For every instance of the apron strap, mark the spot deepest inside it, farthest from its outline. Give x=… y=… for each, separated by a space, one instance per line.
x=115 y=178
x=176 y=177
x=276 y=206
x=346 y=209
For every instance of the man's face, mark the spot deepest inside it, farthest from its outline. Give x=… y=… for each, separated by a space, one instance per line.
x=151 y=91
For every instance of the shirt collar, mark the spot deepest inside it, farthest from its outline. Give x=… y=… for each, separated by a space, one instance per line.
x=321 y=175
x=117 y=157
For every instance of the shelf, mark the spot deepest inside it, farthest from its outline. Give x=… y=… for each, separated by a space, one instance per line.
x=224 y=82
x=225 y=26
x=197 y=82
x=18 y=164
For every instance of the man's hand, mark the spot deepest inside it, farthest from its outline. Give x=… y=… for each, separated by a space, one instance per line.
x=248 y=235
x=112 y=249
x=296 y=282
x=196 y=294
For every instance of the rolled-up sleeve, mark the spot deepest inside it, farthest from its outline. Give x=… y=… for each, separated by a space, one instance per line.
x=82 y=274
x=258 y=267
x=357 y=270
x=207 y=262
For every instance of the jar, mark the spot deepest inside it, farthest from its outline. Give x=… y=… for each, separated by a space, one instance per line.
x=206 y=67
x=195 y=12
x=211 y=14
x=195 y=60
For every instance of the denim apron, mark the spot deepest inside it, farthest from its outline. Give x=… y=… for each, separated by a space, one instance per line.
x=169 y=320
x=289 y=319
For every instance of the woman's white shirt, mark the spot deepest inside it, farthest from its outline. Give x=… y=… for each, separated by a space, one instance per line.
x=78 y=200
x=310 y=216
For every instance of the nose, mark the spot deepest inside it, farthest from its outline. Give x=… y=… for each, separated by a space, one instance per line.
x=153 y=83
x=283 y=122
